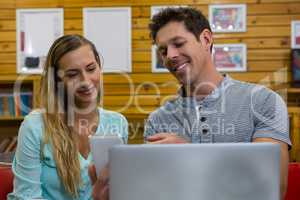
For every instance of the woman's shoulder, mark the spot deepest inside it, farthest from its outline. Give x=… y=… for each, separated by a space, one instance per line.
x=112 y=115
x=32 y=124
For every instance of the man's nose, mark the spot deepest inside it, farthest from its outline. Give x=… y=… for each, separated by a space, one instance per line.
x=172 y=52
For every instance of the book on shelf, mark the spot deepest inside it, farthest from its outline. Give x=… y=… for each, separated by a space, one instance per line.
x=7 y=150
x=12 y=145
x=6 y=159
x=4 y=144
x=8 y=144
x=16 y=105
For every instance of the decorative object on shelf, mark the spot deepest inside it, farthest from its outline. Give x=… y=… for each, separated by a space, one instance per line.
x=295 y=64
x=230 y=57
x=110 y=30
x=36 y=30
x=228 y=18
x=295 y=34
x=15 y=105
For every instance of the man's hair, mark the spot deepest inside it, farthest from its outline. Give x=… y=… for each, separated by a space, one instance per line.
x=194 y=21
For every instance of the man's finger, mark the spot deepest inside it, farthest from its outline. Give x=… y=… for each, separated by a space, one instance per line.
x=155 y=137
x=92 y=174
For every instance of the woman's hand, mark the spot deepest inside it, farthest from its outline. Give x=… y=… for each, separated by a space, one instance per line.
x=100 y=184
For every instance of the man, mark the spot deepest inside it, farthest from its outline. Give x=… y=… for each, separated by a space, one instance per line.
x=210 y=107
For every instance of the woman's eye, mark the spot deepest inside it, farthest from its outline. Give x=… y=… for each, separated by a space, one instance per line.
x=71 y=75
x=91 y=68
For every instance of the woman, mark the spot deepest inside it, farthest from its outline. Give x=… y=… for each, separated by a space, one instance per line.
x=53 y=153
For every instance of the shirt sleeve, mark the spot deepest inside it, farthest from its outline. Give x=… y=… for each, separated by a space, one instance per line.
x=150 y=128
x=27 y=165
x=270 y=116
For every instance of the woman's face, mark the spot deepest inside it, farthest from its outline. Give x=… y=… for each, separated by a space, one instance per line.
x=80 y=73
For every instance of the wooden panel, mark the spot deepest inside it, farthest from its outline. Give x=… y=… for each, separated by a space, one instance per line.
x=140 y=89
x=168 y=78
x=7 y=68
x=7 y=25
x=73 y=32
x=7 y=4
x=272 y=65
x=252 y=32
x=279 y=1
x=252 y=43
x=265 y=20
x=136 y=101
x=7 y=36
x=255 y=65
x=7 y=47
x=7 y=13
x=73 y=24
x=8 y=58
x=276 y=8
x=38 y=3
x=253 y=54
x=271 y=20
x=73 y=13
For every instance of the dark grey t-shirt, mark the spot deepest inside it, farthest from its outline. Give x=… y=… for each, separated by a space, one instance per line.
x=234 y=112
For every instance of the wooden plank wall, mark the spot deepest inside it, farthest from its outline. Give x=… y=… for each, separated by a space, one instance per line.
x=267 y=39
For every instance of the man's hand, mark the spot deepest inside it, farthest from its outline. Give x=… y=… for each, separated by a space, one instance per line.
x=166 y=138
x=100 y=184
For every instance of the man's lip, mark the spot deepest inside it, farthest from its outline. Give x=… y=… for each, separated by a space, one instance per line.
x=180 y=66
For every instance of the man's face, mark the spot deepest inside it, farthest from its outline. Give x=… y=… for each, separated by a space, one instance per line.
x=182 y=53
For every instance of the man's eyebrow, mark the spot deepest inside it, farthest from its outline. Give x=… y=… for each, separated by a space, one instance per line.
x=175 y=39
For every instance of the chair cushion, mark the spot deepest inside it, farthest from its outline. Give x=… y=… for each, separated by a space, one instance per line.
x=6 y=181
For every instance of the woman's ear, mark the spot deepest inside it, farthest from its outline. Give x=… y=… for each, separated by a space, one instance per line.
x=206 y=39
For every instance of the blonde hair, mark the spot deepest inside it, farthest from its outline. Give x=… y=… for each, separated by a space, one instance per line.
x=54 y=102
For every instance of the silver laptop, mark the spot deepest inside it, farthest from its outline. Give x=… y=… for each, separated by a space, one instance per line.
x=223 y=171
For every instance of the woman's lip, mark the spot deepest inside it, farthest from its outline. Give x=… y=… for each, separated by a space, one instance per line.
x=88 y=91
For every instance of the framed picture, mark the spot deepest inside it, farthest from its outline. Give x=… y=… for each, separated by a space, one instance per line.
x=295 y=40
x=157 y=65
x=228 y=18
x=36 y=31
x=295 y=65
x=110 y=30
x=230 y=57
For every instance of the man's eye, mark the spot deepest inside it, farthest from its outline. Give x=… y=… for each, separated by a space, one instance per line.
x=178 y=45
x=163 y=52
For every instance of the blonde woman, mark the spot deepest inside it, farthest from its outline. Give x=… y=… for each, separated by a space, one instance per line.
x=53 y=153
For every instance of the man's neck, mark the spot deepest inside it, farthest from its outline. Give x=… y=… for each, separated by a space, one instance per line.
x=204 y=85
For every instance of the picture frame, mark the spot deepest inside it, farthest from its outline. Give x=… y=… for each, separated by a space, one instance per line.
x=36 y=30
x=156 y=62
x=295 y=67
x=111 y=41
x=230 y=57
x=228 y=18
x=295 y=34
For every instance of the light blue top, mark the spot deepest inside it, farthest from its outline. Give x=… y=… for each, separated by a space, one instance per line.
x=38 y=179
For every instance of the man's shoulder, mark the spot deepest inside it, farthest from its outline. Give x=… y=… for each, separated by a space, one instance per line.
x=247 y=88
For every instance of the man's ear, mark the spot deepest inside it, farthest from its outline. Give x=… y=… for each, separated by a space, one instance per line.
x=206 y=39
